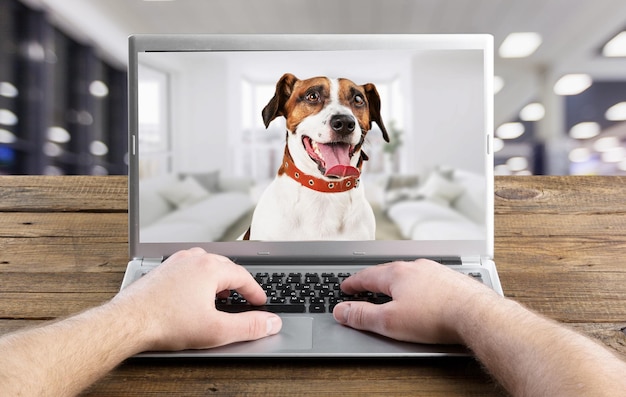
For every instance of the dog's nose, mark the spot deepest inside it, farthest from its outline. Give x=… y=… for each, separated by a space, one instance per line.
x=342 y=124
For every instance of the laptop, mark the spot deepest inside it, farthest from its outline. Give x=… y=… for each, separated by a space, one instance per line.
x=201 y=157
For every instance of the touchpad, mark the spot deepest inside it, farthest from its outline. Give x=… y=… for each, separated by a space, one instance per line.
x=296 y=334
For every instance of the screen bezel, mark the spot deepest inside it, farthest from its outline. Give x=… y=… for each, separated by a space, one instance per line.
x=257 y=250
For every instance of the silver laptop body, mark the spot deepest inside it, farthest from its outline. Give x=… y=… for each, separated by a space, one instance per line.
x=200 y=157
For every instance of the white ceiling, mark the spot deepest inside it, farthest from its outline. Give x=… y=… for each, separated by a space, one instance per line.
x=573 y=31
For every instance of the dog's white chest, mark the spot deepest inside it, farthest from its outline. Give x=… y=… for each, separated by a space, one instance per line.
x=289 y=211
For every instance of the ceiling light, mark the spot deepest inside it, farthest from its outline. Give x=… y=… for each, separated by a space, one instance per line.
x=572 y=84
x=34 y=51
x=532 y=112
x=579 y=155
x=523 y=173
x=501 y=169
x=98 y=89
x=8 y=90
x=498 y=144
x=510 y=130
x=7 y=117
x=616 y=47
x=51 y=149
x=585 y=130
x=520 y=45
x=98 y=148
x=498 y=84
x=7 y=137
x=606 y=143
x=52 y=170
x=614 y=155
x=517 y=164
x=616 y=112
x=58 y=135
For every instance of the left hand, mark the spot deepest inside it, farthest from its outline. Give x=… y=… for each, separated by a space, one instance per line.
x=176 y=303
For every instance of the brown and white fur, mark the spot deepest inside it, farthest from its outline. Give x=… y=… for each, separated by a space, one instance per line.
x=327 y=120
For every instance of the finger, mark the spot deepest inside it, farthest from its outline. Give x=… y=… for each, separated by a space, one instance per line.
x=374 y=279
x=196 y=251
x=247 y=326
x=235 y=277
x=363 y=316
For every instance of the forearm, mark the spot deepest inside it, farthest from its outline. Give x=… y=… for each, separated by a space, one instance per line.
x=530 y=355
x=63 y=358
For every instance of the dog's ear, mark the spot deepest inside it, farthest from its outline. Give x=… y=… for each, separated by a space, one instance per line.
x=374 y=107
x=362 y=158
x=276 y=105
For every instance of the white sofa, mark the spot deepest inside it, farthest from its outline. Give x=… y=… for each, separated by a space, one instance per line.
x=447 y=205
x=191 y=207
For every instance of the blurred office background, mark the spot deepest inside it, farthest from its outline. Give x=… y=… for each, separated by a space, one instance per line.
x=560 y=65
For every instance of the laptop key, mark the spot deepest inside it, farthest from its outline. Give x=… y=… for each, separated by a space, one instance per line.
x=299 y=293
x=380 y=299
x=274 y=308
x=317 y=308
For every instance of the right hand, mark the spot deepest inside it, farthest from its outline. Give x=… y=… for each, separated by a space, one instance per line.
x=427 y=300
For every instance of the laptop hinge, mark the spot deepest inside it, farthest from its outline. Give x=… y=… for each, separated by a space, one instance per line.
x=151 y=261
x=471 y=260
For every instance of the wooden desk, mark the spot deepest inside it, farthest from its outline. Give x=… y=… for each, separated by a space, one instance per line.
x=559 y=242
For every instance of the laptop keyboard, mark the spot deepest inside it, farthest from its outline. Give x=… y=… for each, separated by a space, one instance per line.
x=303 y=293
x=298 y=293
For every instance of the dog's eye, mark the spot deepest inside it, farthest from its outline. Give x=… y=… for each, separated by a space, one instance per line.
x=359 y=100
x=312 y=96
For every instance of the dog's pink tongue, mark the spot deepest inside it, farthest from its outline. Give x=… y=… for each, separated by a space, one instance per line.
x=341 y=171
x=337 y=160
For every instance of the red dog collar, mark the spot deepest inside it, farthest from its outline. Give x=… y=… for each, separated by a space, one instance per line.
x=321 y=185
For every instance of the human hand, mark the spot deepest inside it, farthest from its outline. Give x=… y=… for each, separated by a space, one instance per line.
x=427 y=300
x=176 y=303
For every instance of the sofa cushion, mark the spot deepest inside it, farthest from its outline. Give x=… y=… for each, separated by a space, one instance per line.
x=183 y=193
x=412 y=214
x=447 y=230
x=206 y=220
x=471 y=202
x=153 y=206
x=440 y=189
x=208 y=180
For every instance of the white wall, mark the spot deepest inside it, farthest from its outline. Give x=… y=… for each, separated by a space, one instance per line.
x=199 y=114
x=448 y=98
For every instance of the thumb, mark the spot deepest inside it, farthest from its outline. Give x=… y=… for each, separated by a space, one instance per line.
x=359 y=315
x=251 y=325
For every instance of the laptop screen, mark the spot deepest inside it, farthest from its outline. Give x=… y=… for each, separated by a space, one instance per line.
x=209 y=131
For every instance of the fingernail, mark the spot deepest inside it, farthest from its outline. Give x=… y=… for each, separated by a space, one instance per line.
x=345 y=314
x=274 y=324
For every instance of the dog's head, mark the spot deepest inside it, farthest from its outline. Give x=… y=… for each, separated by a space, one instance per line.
x=327 y=120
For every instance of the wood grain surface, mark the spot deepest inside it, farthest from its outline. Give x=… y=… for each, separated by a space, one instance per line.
x=559 y=244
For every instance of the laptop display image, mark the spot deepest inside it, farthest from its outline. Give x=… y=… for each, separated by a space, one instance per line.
x=306 y=158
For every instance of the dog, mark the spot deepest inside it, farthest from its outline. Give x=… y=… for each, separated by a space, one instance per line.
x=316 y=194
